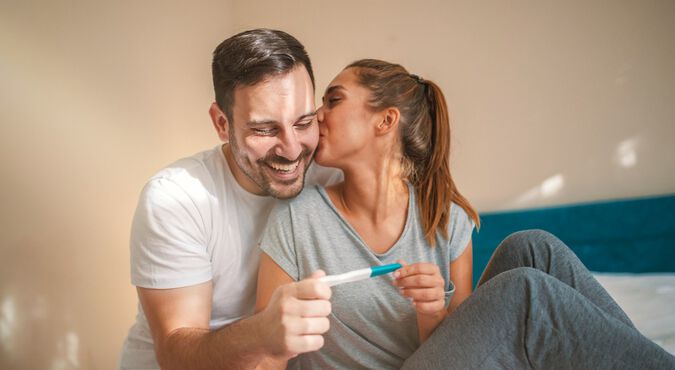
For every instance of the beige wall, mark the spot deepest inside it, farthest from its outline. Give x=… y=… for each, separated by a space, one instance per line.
x=552 y=103
x=94 y=99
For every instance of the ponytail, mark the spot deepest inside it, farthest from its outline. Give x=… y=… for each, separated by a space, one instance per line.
x=434 y=186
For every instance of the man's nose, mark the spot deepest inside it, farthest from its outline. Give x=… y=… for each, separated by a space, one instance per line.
x=289 y=146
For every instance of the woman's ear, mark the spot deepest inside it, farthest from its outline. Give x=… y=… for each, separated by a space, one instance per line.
x=389 y=121
x=220 y=123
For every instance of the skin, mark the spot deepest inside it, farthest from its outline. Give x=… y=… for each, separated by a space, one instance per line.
x=273 y=125
x=373 y=198
x=272 y=135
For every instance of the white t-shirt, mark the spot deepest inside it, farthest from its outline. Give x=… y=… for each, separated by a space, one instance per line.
x=194 y=223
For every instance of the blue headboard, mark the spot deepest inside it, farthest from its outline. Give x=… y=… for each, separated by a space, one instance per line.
x=635 y=235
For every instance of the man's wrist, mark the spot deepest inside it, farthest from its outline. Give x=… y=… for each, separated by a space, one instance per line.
x=258 y=334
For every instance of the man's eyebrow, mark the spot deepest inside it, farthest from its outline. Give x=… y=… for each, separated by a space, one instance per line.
x=263 y=122
x=305 y=116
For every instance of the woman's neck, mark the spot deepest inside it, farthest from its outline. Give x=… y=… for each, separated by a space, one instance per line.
x=375 y=192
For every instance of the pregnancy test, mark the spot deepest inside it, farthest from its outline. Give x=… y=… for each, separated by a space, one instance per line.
x=362 y=274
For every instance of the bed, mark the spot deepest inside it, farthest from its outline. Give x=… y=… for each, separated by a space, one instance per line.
x=629 y=245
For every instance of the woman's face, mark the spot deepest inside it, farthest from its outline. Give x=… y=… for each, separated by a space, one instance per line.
x=346 y=124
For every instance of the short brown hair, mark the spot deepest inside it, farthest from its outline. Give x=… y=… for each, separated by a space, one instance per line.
x=252 y=56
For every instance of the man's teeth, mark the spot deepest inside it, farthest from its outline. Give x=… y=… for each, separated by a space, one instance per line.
x=285 y=167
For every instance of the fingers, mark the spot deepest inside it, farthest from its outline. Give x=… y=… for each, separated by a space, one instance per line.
x=305 y=343
x=424 y=294
x=312 y=288
x=306 y=308
x=419 y=275
x=297 y=316
x=309 y=326
x=317 y=274
x=418 y=268
x=429 y=308
x=424 y=285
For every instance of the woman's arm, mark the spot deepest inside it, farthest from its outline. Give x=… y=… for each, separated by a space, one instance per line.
x=461 y=274
x=424 y=284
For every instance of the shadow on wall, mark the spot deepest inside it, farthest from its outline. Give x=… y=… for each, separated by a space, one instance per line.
x=624 y=158
x=38 y=327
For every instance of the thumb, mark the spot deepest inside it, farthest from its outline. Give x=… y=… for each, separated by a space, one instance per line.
x=317 y=274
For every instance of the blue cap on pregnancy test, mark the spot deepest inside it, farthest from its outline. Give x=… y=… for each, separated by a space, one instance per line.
x=384 y=269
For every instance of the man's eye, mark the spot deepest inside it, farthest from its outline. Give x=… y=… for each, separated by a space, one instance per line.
x=264 y=131
x=304 y=124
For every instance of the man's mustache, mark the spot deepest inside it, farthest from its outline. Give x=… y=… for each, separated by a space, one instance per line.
x=283 y=160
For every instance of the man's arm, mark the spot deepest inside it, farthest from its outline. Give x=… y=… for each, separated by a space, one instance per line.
x=306 y=318
x=179 y=322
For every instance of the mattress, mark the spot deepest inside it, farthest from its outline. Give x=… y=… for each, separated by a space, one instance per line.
x=648 y=300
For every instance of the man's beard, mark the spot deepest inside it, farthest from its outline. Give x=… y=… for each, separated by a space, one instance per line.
x=258 y=175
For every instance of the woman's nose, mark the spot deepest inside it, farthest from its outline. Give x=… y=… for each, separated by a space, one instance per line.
x=319 y=114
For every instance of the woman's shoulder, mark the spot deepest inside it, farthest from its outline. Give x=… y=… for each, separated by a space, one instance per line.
x=309 y=198
x=459 y=213
x=460 y=229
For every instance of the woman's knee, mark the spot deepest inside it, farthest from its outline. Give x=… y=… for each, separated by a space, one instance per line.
x=527 y=240
x=515 y=282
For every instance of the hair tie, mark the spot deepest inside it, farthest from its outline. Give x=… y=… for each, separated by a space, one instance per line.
x=417 y=78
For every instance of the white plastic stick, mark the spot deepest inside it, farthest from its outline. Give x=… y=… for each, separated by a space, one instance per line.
x=347 y=277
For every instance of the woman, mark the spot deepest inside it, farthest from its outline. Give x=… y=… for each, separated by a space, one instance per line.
x=388 y=131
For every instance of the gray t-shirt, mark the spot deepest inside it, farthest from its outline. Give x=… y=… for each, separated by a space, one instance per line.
x=372 y=325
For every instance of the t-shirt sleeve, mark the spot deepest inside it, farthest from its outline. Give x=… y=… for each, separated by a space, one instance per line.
x=168 y=245
x=324 y=176
x=278 y=242
x=460 y=229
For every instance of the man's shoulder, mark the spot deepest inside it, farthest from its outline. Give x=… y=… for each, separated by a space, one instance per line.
x=195 y=166
x=194 y=176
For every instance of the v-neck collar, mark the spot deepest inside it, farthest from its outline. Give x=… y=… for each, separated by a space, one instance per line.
x=400 y=240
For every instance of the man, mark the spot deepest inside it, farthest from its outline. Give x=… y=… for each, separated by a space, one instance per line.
x=194 y=254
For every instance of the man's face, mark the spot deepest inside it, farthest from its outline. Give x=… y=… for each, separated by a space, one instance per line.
x=273 y=134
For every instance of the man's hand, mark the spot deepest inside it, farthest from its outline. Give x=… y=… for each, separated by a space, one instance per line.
x=424 y=284
x=296 y=317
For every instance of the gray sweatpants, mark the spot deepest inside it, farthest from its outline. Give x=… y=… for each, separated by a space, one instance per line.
x=538 y=307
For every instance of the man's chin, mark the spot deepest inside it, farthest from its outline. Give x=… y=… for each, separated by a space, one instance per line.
x=290 y=188
x=287 y=191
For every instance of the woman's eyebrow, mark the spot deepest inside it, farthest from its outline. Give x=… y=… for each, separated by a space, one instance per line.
x=332 y=89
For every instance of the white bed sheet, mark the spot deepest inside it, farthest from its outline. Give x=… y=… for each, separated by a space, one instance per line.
x=649 y=301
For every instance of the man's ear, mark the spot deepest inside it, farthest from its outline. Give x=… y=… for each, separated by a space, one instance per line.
x=220 y=123
x=389 y=121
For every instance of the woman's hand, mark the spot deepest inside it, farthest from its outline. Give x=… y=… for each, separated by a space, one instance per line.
x=423 y=283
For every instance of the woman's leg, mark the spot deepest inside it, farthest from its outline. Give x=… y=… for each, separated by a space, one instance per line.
x=542 y=251
x=524 y=318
